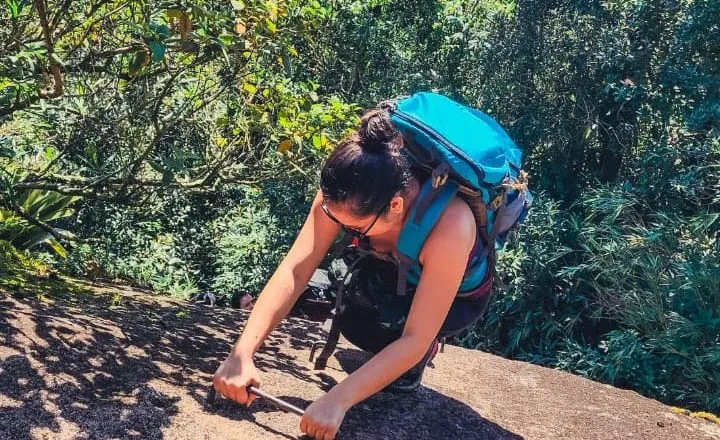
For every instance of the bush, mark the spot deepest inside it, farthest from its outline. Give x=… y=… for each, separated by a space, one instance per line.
x=655 y=277
x=616 y=292
x=252 y=238
x=151 y=245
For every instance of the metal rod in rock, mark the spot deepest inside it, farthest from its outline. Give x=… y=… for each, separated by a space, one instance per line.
x=278 y=402
x=274 y=400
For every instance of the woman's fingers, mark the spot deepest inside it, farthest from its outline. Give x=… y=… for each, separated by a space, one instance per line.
x=316 y=432
x=220 y=387
x=241 y=394
x=250 y=396
x=325 y=434
x=303 y=425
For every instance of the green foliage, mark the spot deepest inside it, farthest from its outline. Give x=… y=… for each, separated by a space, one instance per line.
x=534 y=309
x=23 y=274
x=656 y=277
x=179 y=243
x=252 y=238
x=155 y=265
x=154 y=245
x=43 y=206
x=160 y=114
x=131 y=96
x=12 y=261
x=617 y=292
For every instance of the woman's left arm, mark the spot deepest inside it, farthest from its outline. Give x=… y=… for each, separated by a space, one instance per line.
x=444 y=260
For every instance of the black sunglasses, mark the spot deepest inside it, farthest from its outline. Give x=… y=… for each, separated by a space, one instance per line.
x=360 y=235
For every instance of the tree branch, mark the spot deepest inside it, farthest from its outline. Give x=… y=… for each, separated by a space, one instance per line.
x=60 y=189
x=57 y=87
x=85 y=187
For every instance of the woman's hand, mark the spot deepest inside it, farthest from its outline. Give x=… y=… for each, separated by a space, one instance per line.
x=233 y=377
x=323 y=417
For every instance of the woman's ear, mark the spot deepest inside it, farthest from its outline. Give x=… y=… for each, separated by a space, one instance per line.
x=397 y=205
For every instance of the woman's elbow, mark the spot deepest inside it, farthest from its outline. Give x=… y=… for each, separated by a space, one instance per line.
x=416 y=346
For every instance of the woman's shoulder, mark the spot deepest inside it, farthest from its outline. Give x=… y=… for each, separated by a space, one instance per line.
x=456 y=228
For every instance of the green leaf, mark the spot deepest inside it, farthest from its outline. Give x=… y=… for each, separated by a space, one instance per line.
x=58 y=248
x=270 y=26
x=50 y=153
x=15 y=7
x=702 y=223
x=226 y=39
x=284 y=121
x=317 y=141
x=238 y=5
x=250 y=88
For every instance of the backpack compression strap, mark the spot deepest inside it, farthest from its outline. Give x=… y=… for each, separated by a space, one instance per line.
x=431 y=203
x=506 y=217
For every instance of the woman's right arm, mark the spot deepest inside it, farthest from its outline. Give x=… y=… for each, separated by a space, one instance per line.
x=289 y=280
x=275 y=301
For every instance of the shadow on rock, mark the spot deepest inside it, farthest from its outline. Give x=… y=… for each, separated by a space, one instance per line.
x=94 y=366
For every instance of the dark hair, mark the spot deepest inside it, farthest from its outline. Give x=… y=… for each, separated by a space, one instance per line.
x=368 y=167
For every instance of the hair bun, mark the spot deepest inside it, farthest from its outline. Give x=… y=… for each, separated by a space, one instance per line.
x=377 y=132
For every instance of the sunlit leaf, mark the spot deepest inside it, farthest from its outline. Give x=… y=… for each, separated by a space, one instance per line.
x=270 y=25
x=285 y=145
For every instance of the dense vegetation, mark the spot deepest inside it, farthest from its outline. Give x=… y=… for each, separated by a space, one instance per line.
x=176 y=145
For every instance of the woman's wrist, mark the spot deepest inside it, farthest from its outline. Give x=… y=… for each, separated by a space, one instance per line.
x=343 y=395
x=241 y=352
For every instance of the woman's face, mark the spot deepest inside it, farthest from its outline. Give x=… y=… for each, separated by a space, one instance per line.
x=373 y=225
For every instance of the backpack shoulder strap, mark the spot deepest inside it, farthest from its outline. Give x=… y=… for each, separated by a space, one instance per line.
x=430 y=204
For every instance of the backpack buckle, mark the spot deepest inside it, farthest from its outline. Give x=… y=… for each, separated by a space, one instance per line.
x=440 y=175
x=439 y=181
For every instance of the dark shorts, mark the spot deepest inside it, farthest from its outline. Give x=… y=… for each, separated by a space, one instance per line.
x=374 y=315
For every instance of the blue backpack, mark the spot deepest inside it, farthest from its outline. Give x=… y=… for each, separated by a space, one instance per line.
x=464 y=150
